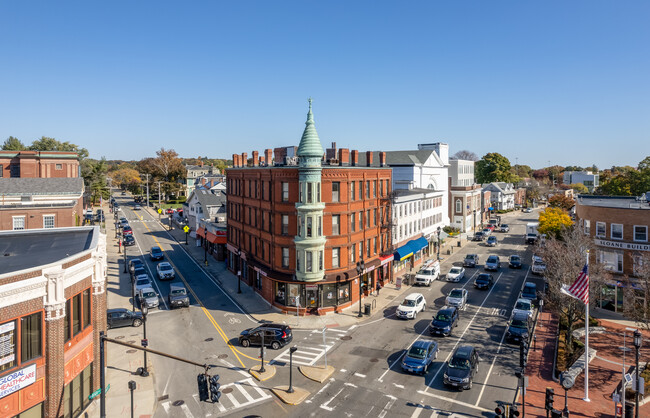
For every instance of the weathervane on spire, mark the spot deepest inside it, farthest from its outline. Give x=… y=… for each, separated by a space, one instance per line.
x=310 y=103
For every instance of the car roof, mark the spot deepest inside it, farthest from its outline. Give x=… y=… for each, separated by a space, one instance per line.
x=116 y=310
x=164 y=263
x=523 y=316
x=464 y=351
x=422 y=343
x=523 y=300
x=176 y=286
x=493 y=256
x=447 y=309
x=156 y=248
x=147 y=289
x=492 y=237
x=413 y=296
x=530 y=284
x=515 y=255
x=481 y=275
x=142 y=276
x=280 y=326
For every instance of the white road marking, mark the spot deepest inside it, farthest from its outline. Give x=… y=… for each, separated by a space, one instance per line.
x=165 y=406
x=389 y=404
x=398 y=386
x=321 y=390
x=350 y=384
x=326 y=406
x=480 y=395
x=360 y=375
x=443 y=398
x=186 y=411
x=352 y=327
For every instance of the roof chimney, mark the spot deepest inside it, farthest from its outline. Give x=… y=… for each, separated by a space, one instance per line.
x=256 y=159
x=368 y=158
x=355 y=158
x=344 y=156
x=268 y=156
x=244 y=159
x=235 y=160
x=382 y=159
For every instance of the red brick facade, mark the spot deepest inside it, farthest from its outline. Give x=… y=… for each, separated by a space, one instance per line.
x=40 y=164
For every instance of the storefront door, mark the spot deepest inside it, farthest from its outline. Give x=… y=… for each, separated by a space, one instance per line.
x=312 y=295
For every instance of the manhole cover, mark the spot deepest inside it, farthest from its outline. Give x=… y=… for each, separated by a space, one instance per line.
x=178 y=402
x=220 y=356
x=374 y=360
x=208 y=339
x=119 y=337
x=346 y=338
x=131 y=351
x=163 y=398
x=226 y=390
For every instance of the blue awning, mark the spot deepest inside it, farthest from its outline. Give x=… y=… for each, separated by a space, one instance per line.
x=418 y=244
x=403 y=252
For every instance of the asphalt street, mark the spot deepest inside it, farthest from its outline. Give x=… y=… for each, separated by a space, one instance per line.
x=368 y=380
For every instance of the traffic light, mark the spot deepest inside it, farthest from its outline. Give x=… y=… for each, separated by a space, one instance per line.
x=215 y=393
x=523 y=354
x=550 y=393
x=514 y=412
x=500 y=411
x=203 y=387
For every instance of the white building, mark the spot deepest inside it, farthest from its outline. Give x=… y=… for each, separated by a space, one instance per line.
x=587 y=178
x=502 y=195
x=464 y=196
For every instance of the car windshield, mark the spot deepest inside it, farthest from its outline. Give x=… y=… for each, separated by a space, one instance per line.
x=141 y=282
x=454 y=270
x=166 y=267
x=417 y=352
x=538 y=263
x=149 y=294
x=490 y=239
x=483 y=278
x=504 y=225
x=459 y=363
x=492 y=259
x=514 y=258
x=178 y=292
x=523 y=305
x=425 y=272
x=456 y=293
x=443 y=317
x=518 y=323
x=408 y=302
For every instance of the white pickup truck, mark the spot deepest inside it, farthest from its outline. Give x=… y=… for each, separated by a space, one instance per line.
x=531 y=232
x=428 y=273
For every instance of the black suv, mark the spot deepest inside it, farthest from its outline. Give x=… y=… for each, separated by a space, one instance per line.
x=519 y=327
x=121 y=317
x=514 y=262
x=471 y=260
x=444 y=321
x=483 y=281
x=178 y=296
x=462 y=368
x=275 y=336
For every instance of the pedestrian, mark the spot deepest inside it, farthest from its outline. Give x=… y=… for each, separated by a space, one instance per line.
x=378 y=287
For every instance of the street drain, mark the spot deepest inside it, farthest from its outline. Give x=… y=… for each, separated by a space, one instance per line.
x=226 y=390
x=131 y=351
x=178 y=402
x=163 y=398
x=221 y=356
x=374 y=360
x=119 y=337
x=208 y=339
x=346 y=338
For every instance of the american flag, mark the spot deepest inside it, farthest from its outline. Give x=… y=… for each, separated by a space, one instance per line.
x=580 y=288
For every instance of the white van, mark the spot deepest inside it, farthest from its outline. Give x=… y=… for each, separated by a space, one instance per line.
x=428 y=274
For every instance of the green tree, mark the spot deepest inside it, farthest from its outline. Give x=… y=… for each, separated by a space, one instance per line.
x=465 y=155
x=522 y=170
x=13 y=144
x=553 y=221
x=579 y=188
x=493 y=167
x=561 y=201
x=51 y=144
x=94 y=175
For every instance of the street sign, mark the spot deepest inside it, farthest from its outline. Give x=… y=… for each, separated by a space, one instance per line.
x=145 y=342
x=628 y=378
x=98 y=391
x=641 y=383
x=159 y=210
x=186 y=229
x=616 y=398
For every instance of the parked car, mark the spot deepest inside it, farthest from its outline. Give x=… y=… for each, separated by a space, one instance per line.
x=491 y=228
x=419 y=357
x=445 y=321
x=127 y=230
x=491 y=241
x=514 y=261
x=530 y=292
x=156 y=253
x=123 y=193
x=411 y=305
x=141 y=282
x=538 y=267
x=139 y=271
x=528 y=210
x=428 y=274
x=169 y=211
x=457 y=297
x=487 y=232
x=523 y=306
x=123 y=221
x=492 y=263
x=178 y=296
x=484 y=281
x=137 y=207
x=275 y=336
x=456 y=274
x=519 y=327
x=461 y=368
x=504 y=228
x=479 y=236
x=471 y=260
x=120 y=317
x=128 y=241
x=165 y=271
x=135 y=263
x=148 y=297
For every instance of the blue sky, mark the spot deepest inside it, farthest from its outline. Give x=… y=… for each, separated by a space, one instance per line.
x=538 y=81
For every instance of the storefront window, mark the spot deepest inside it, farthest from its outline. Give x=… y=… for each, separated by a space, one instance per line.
x=608 y=297
x=33 y=412
x=294 y=295
x=311 y=291
x=329 y=294
x=8 y=345
x=280 y=292
x=344 y=292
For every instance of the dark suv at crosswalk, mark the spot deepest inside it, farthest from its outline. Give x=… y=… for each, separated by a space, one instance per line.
x=275 y=336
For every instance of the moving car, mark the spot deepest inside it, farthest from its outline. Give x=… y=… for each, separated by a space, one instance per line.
x=457 y=297
x=461 y=368
x=504 y=228
x=491 y=241
x=519 y=327
x=135 y=263
x=137 y=207
x=444 y=321
x=456 y=274
x=419 y=357
x=156 y=253
x=484 y=281
x=479 y=236
x=428 y=274
x=165 y=271
x=529 y=292
x=148 y=297
x=411 y=305
x=523 y=306
x=471 y=260
x=178 y=296
x=128 y=241
x=539 y=267
x=514 y=262
x=127 y=230
x=487 y=232
x=492 y=263
x=528 y=210
x=121 y=317
x=275 y=336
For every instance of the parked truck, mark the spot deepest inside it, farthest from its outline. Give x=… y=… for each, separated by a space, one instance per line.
x=531 y=232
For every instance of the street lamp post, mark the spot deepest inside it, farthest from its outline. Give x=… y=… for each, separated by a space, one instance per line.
x=132 y=386
x=291 y=351
x=133 y=291
x=238 y=281
x=145 y=310
x=637 y=345
x=262 y=369
x=125 y=268
x=438 y=243
x=361 y=266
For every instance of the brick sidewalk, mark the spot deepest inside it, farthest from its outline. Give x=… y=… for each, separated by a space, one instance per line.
x=604 y=371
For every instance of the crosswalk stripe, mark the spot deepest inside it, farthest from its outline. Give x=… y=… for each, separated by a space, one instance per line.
x=248 y=397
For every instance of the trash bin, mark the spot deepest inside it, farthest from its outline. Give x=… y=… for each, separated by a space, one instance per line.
x=629 y=409
x=367 y=309
x=459 y=243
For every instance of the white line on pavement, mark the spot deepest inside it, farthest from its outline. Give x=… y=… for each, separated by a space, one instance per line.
x=326 y=406
x=389 y=404
x=465 y=404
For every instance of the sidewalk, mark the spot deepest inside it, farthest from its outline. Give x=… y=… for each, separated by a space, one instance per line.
x=260 y=310
x=605 y=371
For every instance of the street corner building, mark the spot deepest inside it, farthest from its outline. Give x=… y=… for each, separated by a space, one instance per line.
x=300 y=226
x=52 y=308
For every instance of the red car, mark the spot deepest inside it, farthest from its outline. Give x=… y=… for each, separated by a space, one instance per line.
x=169 y=211
x=127 y=230
x=490 y=227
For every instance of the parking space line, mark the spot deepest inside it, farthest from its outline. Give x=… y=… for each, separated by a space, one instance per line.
x=465 y=404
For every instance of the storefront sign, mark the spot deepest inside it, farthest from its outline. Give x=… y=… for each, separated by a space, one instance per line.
x=311 y=286
x=17 y=380
x=623 y=245
x=7 y=342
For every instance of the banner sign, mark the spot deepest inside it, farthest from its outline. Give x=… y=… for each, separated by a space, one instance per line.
x=623 y=245
x=17 y=380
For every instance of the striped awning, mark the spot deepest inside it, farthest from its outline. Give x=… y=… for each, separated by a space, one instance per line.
x=200 y=232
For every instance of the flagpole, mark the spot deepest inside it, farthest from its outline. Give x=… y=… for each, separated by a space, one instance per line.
x=586 y=398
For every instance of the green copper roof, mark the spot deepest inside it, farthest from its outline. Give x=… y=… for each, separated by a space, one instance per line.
x=310 y=145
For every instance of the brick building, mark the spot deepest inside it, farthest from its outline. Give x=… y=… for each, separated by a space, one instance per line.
x=52 y=308
x=619 y=226
x=39 y=164
x=298 y=228
x=465 y=211
x=32 y=203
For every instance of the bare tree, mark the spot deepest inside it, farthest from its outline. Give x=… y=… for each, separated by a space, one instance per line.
x=637 y=291
x=465 y=155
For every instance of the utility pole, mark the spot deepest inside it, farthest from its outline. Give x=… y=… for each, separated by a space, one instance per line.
x=159 y=194
x=147 y=189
